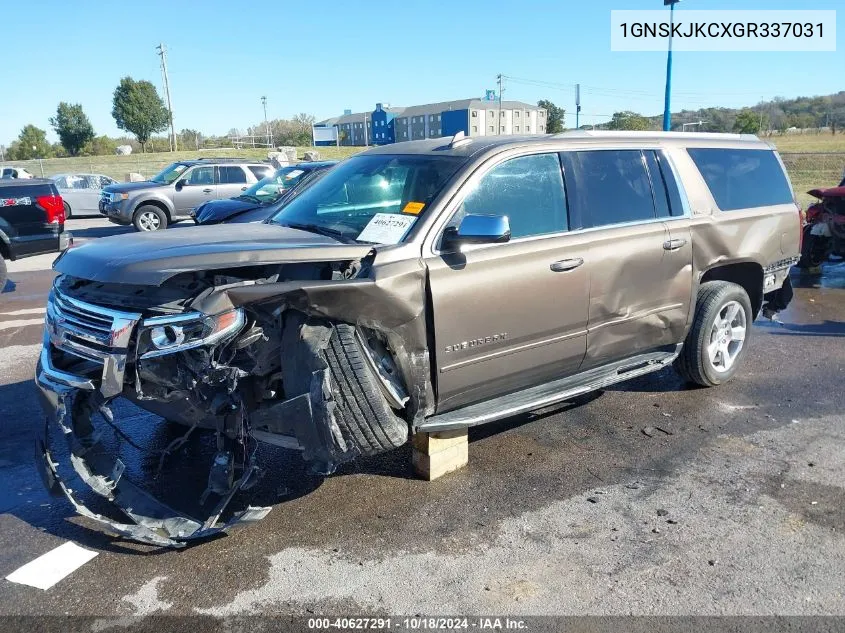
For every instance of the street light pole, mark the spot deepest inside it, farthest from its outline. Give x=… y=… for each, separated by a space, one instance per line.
x=266 y=124
x=667 y=107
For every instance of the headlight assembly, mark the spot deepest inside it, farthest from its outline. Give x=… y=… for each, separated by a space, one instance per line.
x=169 y=334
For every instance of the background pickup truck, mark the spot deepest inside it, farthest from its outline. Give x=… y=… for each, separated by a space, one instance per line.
x=32 y=220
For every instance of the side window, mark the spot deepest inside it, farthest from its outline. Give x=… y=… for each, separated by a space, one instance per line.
x=528 y=190
x=260 y=172
x=200 y=176
x=743 y=178
x=105 y=181
x=61 y=183
x=231 y=174
x=607 y=187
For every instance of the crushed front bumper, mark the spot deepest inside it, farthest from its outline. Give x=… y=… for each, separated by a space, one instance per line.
x=70 y=402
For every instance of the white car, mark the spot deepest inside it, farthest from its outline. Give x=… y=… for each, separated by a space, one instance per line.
x=14 y=172
x=81 y=192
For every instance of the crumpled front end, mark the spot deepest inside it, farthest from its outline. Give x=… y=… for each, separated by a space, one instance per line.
x=242 y=356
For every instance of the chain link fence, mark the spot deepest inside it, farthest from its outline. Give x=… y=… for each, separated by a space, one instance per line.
x=812 y=170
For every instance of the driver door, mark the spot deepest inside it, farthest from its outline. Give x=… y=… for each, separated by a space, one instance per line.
x=512 y=315
x=199 y=185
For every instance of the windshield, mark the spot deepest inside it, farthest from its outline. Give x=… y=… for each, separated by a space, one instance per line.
x=169 y=173
x=271 y=188
x=373 y=199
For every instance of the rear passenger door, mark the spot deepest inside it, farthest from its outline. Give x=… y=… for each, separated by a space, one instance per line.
x=635 y=305
x=231 y=181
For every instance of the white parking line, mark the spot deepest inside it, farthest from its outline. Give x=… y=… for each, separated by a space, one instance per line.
x=19 y=323
x=23 y=312
x=45 y=571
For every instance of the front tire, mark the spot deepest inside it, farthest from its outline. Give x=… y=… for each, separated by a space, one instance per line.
x=68 y=213
x=149 y=218
x=363 y=413
x=718 y=339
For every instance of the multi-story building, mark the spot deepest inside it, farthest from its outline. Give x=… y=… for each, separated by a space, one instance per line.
x=474 y=117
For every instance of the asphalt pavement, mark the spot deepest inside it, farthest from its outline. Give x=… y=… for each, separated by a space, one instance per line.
x=649 y=498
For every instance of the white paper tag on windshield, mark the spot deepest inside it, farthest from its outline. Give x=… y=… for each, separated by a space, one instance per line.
x=294 y=174
x=386 y=228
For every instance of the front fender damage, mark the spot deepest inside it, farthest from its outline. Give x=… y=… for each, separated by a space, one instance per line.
x=242 y=401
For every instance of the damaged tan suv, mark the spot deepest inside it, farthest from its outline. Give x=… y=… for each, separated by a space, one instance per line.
x=418 y=286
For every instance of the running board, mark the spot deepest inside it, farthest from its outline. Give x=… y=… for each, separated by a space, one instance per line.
x=550 y=393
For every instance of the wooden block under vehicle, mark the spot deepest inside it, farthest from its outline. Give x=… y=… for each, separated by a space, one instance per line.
x=435 y=454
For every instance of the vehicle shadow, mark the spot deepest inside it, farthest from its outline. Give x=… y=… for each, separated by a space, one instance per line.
x=100 y=231
x=825 y=328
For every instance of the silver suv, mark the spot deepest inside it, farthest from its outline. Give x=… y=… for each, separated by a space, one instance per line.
x=179 y=188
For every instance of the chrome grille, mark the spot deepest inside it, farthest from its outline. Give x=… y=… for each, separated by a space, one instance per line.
x=91 y=332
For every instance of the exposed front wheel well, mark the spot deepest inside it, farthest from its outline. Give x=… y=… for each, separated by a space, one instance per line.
x=749 y=275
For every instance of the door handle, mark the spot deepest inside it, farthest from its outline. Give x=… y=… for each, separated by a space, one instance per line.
x=673 y=245
x=565 y=265
x=207 y=190
x=243 y=188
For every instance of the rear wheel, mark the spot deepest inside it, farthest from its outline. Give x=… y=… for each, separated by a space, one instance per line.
x=814 y=249
x=149 y=218
x=67 y=211
x=717 y=341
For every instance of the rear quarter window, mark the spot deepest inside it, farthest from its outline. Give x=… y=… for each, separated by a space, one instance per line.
x=743 y=178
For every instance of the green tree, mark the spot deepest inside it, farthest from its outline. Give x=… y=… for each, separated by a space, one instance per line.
x=31 y=143
x=101 y=146
x=189 y=139
x=747 y=122
x=555 y=116
x=137 y=108
x=628 y=120
x=72 y=126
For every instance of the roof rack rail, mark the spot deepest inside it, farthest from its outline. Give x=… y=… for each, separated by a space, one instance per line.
x=224 y=159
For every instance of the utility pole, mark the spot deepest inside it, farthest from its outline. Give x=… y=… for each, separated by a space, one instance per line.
x=266 y=124
x=577 y=106
x=499 y=122
x=162 y=51
x=667 y=107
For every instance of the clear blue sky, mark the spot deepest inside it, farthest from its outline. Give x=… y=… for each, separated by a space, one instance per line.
x=322 y=57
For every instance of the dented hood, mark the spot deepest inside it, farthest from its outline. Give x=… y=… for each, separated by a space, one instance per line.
x=151 y=258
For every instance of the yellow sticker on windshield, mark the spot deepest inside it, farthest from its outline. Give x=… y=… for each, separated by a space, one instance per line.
x=413 y=208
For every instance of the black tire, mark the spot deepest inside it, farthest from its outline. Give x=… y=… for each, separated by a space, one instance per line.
x=3 y=273
x=68 y=213
x=362 y=412
x=693 y=363
x=142 y=214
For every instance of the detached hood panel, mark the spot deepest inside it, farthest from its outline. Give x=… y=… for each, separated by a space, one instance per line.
x=151 y=258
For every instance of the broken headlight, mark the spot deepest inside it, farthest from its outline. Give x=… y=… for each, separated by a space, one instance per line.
x=168 y=334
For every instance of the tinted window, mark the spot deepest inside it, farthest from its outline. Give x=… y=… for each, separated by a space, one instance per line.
x=743 y=178
x=261 y=172
x=230 y=174
x=201 y=176
x=529 y=190
x=608 y=187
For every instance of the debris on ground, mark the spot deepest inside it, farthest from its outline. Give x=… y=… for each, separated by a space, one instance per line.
x=649 y=431
x=661 y=512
